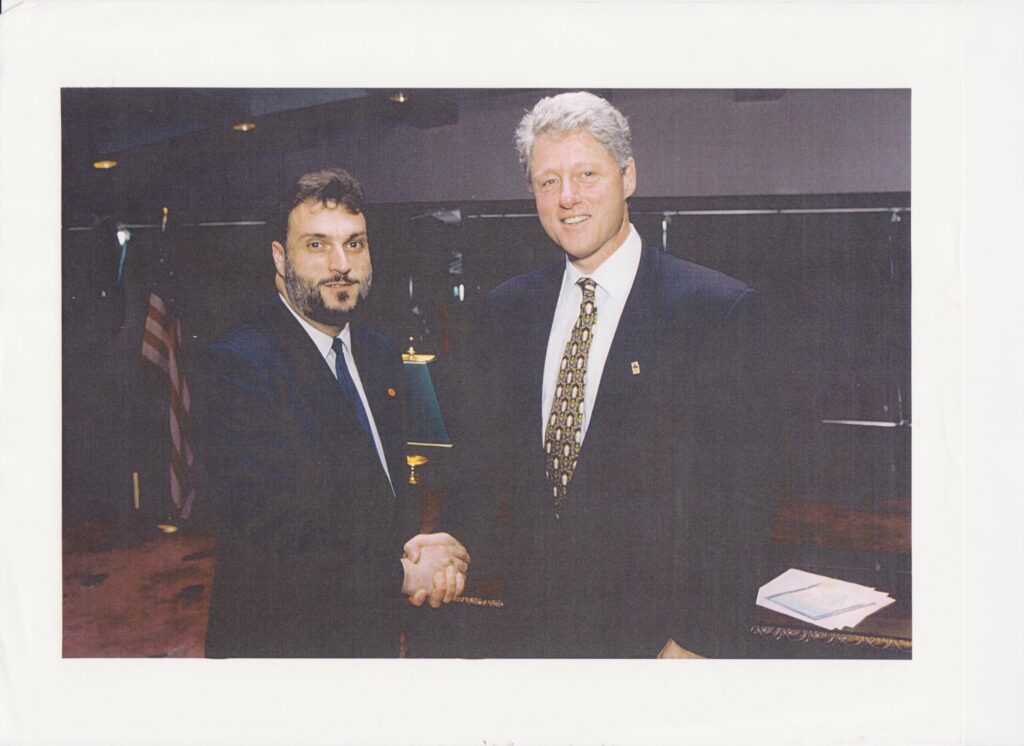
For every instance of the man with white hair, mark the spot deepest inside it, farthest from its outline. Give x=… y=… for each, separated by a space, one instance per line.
x=623 y=398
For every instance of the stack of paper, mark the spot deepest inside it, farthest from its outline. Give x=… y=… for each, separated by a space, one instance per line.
x=825 y=602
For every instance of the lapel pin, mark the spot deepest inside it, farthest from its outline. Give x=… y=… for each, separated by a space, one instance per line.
x=635 y=367
x=392 y=393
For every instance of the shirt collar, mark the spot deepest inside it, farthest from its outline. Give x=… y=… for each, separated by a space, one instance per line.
x=616 y=274
x=323 y=342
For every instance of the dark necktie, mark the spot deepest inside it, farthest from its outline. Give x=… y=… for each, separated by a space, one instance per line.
x=348 y=387
x=564 y=434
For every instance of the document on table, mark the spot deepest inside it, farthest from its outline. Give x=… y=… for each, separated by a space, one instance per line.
x=820 y=600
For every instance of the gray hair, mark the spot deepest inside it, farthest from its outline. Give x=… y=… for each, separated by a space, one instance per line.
x=570 y=112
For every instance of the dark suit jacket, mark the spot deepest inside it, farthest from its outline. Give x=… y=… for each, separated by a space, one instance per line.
x=666 y=513
x=309 y=535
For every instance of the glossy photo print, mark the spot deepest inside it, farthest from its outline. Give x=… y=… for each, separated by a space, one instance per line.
x=486 y=373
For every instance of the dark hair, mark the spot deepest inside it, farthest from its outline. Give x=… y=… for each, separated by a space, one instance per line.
x=330 y=187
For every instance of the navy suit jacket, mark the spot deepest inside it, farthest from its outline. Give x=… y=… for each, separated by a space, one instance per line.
x=667 y=511
x=309 y=535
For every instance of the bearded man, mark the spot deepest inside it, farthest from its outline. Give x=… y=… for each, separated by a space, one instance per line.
x=300 y=417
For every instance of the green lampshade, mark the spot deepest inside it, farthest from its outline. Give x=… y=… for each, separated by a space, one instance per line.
x=424 y=422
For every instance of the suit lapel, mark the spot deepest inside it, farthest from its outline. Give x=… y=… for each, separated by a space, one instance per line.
x=325 y=408
x=519 y=339
x=377 y=374
x=538 y=331
x=316 y=387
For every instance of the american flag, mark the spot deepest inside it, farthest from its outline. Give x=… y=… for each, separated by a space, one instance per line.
x=161 y=345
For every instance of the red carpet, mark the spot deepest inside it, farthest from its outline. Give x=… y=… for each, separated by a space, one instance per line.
x=134 y=592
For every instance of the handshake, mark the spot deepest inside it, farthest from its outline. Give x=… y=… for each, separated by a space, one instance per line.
x=435 y=569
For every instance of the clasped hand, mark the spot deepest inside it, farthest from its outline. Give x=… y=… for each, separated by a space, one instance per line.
x=435 y=569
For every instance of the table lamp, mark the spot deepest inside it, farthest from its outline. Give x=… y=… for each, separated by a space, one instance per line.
x=424 y=422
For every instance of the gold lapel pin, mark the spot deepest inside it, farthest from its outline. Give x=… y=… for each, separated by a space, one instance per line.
x=392 y=393
x=635 y=367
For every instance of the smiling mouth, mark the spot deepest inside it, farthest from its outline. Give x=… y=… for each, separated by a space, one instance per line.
x=575 y=219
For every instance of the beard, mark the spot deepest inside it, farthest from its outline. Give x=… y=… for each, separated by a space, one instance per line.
x=306 y=294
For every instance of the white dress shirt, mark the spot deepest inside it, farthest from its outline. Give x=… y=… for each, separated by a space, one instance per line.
x=324 y=343
x=614 y=280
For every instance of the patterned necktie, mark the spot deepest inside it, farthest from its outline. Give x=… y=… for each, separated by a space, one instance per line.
x=564 y=434
x=348 y=386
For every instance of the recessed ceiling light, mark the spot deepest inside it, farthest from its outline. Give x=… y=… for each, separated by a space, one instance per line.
x=399 y=98
x=244 y=126
x=104 y=165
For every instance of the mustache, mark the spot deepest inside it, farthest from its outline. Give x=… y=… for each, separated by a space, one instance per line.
x=339 y=278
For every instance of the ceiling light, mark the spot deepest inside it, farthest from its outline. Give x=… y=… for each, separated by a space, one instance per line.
x=244 y=126
x=399 y=98
x=104 y=165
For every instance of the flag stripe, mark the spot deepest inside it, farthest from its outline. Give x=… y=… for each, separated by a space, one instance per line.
x=160 y=342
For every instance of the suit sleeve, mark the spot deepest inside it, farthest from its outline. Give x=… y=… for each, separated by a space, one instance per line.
x=719 y=545
x=276 y=502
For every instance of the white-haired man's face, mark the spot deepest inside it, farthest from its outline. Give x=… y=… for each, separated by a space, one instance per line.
x=581 y=196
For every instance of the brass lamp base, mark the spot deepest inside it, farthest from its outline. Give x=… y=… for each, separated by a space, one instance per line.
x=414 y=460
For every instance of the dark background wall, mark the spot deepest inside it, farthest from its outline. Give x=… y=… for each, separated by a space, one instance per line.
x=803 y=194
x=177 y=148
